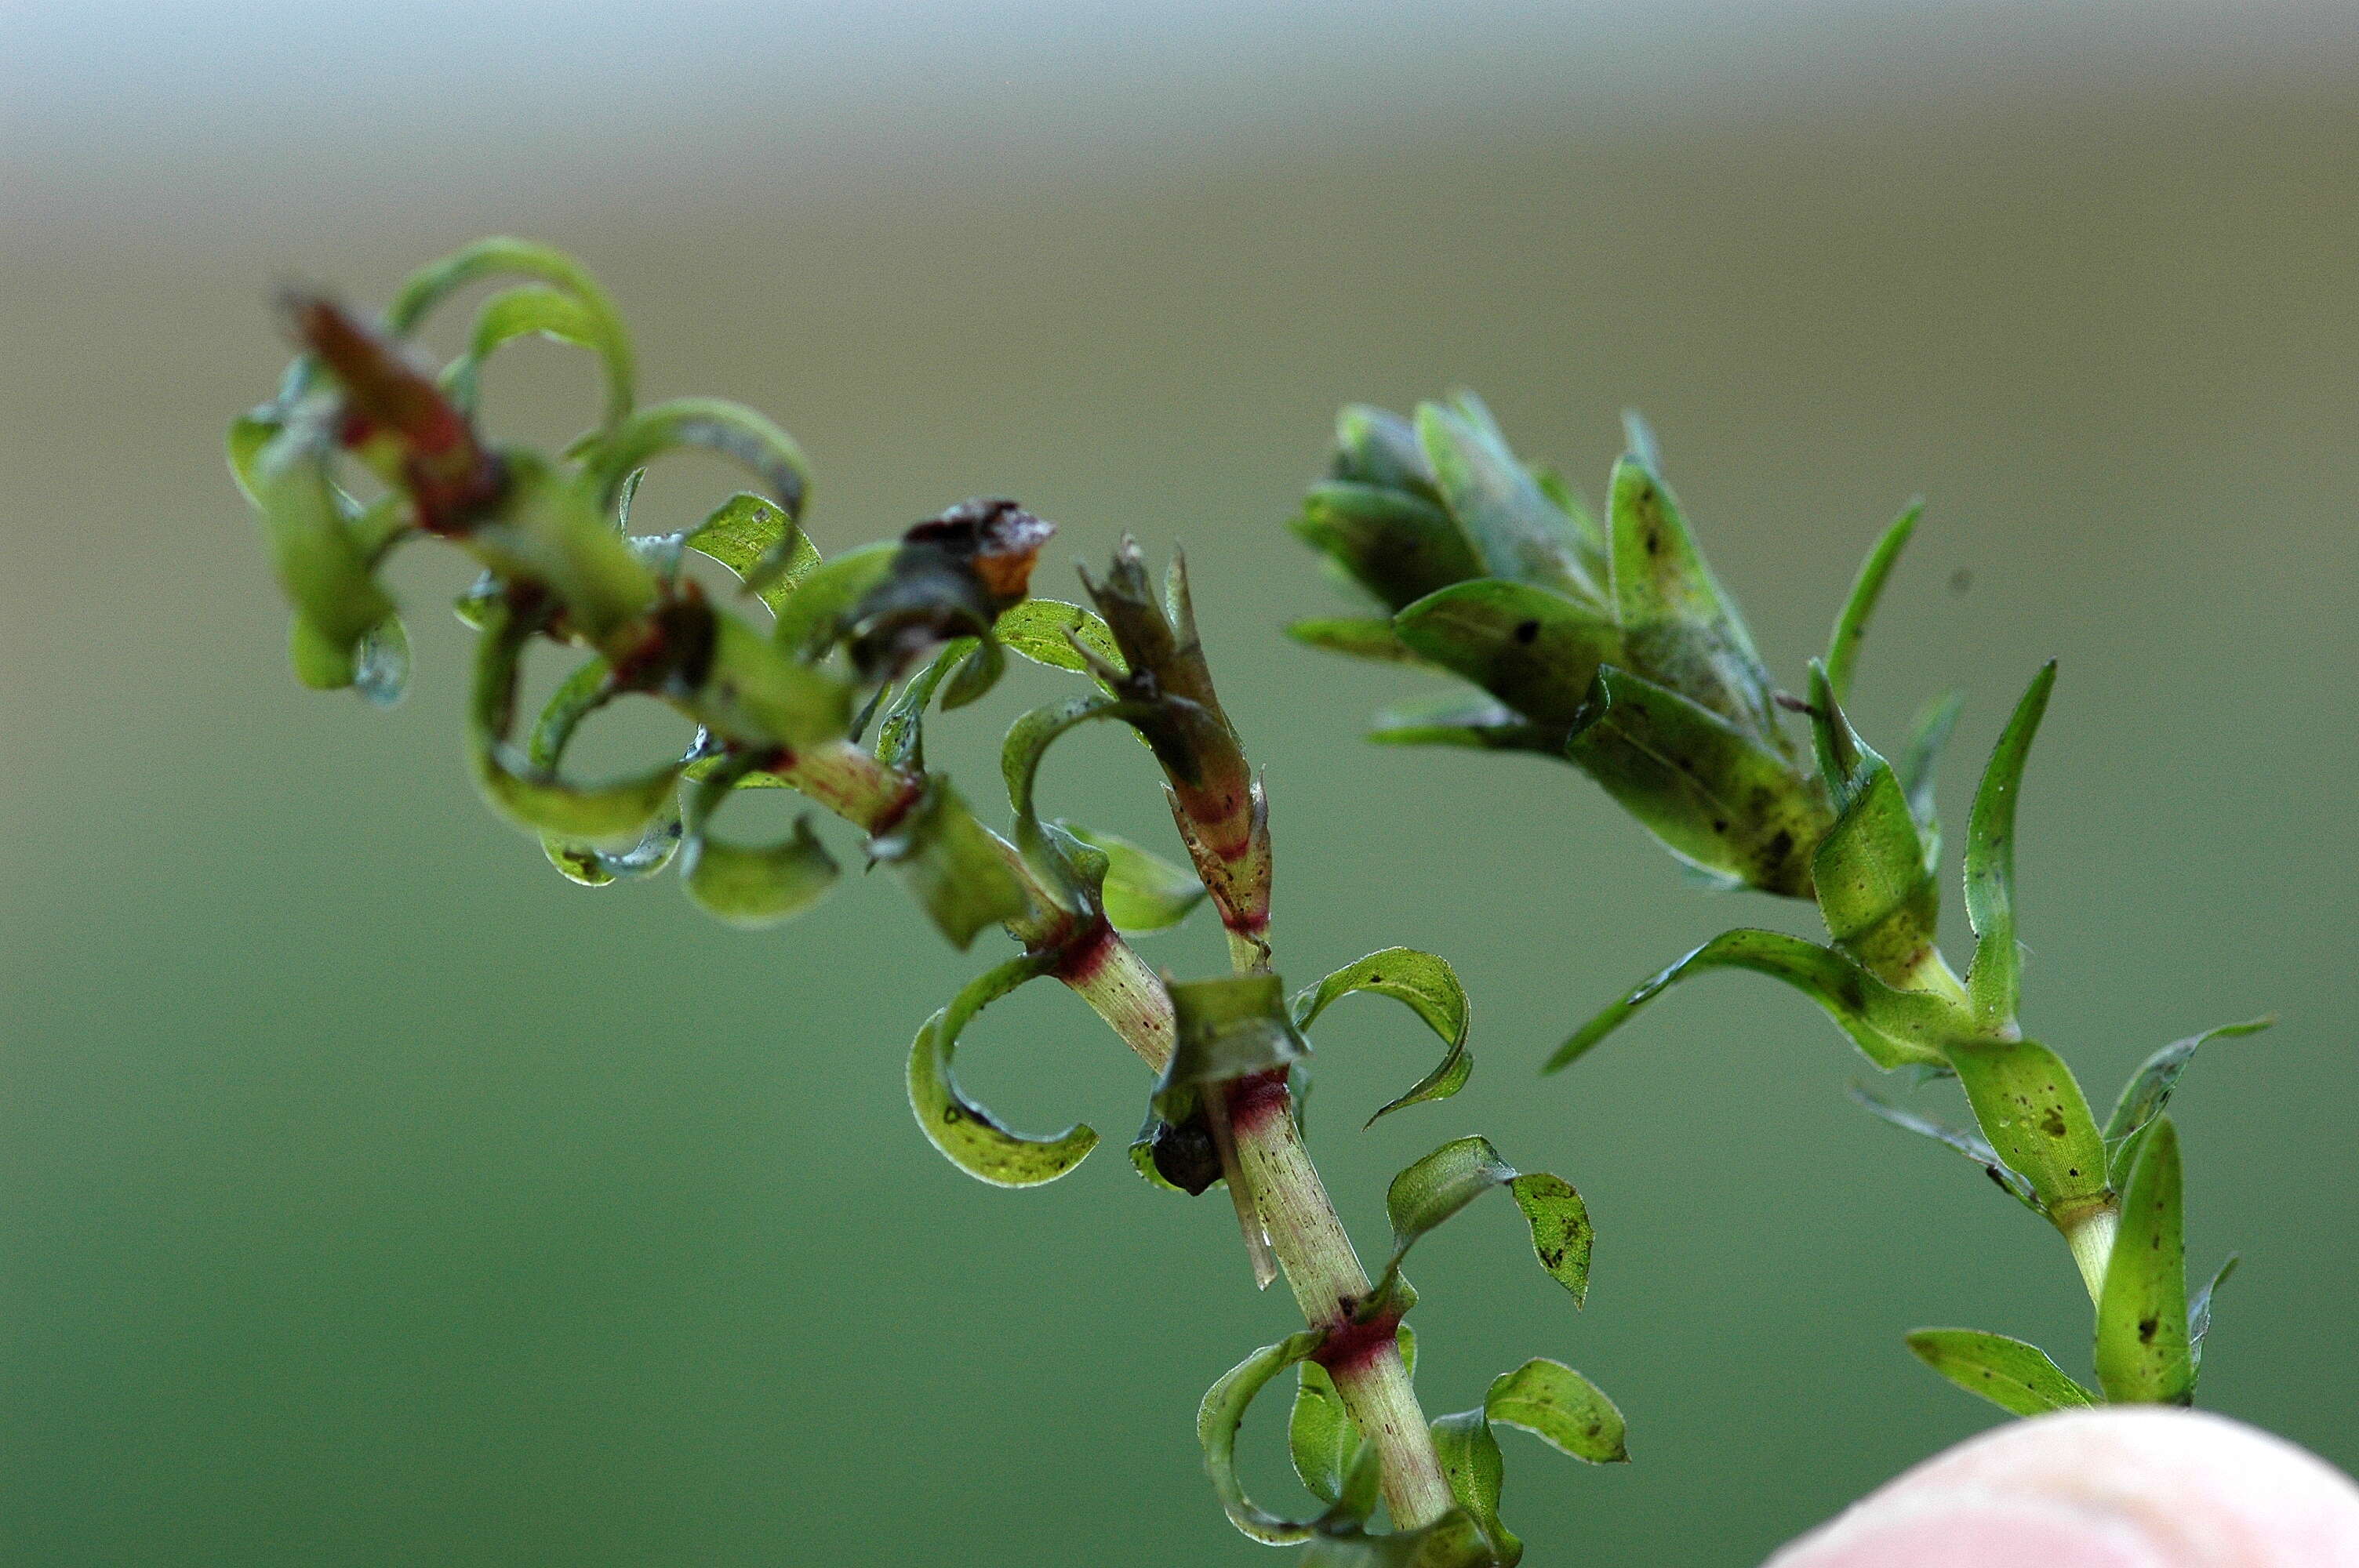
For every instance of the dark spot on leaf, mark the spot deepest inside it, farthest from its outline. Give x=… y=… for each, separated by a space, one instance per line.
x=1528 y=632
x=2146 y=1325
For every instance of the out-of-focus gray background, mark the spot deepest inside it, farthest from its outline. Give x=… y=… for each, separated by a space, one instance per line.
x=369 y=1196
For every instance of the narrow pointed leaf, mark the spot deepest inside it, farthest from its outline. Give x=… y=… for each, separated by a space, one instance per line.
x=1996 y=980
x=969 y=1136
x=1562 y=1409
x=1515 y=530
x=1356 y=636
x=952 y=866
x=1588 y=539
x=1710 y=793
x=2149 y=1089
x=1220 y=1416
x=2018 y=1377
x=1471 y=1463
x=1429 y=987
x=1470 y=719
x=1681 y=629
x=1850 y=626
x=1893 y=1028
x=1143 y=892
x=2143 y=1355
x=2030 y=1107
x=2199 y=1312
x=1972 y=1146
x=1927 y=736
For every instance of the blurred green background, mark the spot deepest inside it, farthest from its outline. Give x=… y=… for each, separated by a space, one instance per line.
x=371 y=1195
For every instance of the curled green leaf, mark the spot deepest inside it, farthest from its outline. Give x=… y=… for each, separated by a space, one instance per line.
x=1859 y=608
x=1142 y=890
x=598 y=324
x=714 y=425
x=580 y=694
x=969 y=1136
x=610 y=815
x=2019 y=1379
x=1320 y=1438
x=1562 y=1409
x=546 y=531
x=1046 y=629
x=1996 y=980
x=754 y=537
x=2143 y=1340
x=1429 y=987
x=1892 y=1028
x=748 y=885
x=1026 y=743
x=813 y=616
x=1434 y=1188
x=1218 y=1420
x=951 y=864
x=532 y=310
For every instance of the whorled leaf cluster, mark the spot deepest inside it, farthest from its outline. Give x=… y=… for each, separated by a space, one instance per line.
x=1611 y=645
x=815 y=674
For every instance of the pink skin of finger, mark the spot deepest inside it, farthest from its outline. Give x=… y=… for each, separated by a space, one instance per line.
x=2101 y=1488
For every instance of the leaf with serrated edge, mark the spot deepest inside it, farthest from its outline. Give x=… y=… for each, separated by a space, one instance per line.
x=2142 y=1331
x=2019 y=1379
x=969 y=1136
x=1893 y=1028
x=1429 y=987
x=1996 y=980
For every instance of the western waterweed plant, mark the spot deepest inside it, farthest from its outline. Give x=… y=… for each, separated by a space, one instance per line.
x=1610 y=645
x=829 y=699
